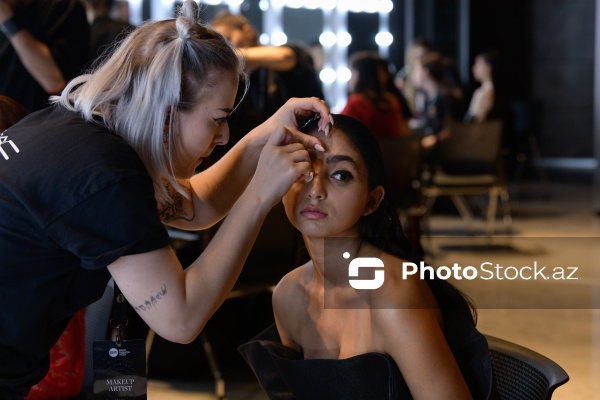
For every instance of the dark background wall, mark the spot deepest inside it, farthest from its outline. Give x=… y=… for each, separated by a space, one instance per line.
x=549 y=49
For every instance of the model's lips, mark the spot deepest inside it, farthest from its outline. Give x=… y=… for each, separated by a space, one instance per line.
x=313 y=213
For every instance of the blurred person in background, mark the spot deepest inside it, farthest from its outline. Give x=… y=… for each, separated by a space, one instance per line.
x=105 y=29
x=451 y=77
x=276 y=73
x=43 y=45
x=412 y=53
x=489 y=100
x=371 y=101
x=433 y=101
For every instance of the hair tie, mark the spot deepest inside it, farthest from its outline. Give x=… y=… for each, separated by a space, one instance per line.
x=183 y=26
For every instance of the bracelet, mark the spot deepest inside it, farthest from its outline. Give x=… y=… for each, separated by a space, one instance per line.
x=10 y=27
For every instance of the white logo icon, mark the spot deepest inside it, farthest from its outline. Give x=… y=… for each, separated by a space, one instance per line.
x=365 y=262
x=113 y=352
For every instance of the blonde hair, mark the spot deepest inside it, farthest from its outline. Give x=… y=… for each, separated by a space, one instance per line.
x=161 y=68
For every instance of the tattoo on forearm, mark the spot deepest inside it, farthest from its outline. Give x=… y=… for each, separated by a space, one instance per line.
x=175 y=208
x=152 y=302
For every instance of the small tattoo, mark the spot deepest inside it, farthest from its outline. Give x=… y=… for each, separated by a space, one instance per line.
x=175 y=208
x=152 y=302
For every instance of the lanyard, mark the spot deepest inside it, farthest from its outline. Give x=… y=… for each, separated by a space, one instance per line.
x=119 y=314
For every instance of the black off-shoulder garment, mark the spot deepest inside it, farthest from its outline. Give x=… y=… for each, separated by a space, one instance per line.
x=284 y=374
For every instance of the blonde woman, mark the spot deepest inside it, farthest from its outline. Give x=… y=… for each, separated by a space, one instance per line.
x=87 y=184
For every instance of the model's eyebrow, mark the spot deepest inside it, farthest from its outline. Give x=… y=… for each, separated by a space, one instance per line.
x=340 y=158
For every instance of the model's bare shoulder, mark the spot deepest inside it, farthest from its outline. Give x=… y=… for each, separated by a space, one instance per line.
x=289 y=288
x=400 y=290
x=289 y=307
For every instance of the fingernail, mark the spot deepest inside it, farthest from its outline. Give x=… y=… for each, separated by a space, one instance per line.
x=331 y=119
x=308 y=177
x=327 y=129
x=319 y=147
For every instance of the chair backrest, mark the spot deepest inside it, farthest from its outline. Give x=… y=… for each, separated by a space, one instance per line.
x=402 y=158
x=475 y=145
x=521 y=373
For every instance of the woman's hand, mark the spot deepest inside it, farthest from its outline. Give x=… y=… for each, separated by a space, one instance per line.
x=293 y=114
x=283 y=161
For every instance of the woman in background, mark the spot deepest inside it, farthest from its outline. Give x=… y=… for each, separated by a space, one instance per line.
x=432 y=101
x=488 y=100
x=371 y=100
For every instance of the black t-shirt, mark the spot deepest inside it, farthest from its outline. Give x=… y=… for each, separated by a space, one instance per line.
x=63 y=27
x=74 y=197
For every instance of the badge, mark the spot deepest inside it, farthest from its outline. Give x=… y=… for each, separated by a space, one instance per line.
x=120 y=371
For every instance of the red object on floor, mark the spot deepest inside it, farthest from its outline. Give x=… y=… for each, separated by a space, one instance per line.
x=67 y=363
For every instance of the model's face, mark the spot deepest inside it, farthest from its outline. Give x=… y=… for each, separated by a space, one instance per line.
x=197 y=131
x=333 y=202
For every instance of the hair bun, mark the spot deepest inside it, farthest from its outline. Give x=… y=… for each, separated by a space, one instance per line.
x=188 y=17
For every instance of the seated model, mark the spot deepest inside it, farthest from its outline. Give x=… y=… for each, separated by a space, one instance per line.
x=410 y=338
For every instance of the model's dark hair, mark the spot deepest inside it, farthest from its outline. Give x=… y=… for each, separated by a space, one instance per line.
x=382 y=228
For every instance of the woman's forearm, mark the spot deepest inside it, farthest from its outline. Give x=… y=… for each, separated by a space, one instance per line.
x=215 y=190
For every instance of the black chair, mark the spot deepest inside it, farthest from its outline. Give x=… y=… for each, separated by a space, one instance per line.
x=521 y=373
x=468 y=162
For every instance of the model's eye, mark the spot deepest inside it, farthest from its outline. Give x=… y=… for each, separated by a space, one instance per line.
x=221 y=121
x=342 y=175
